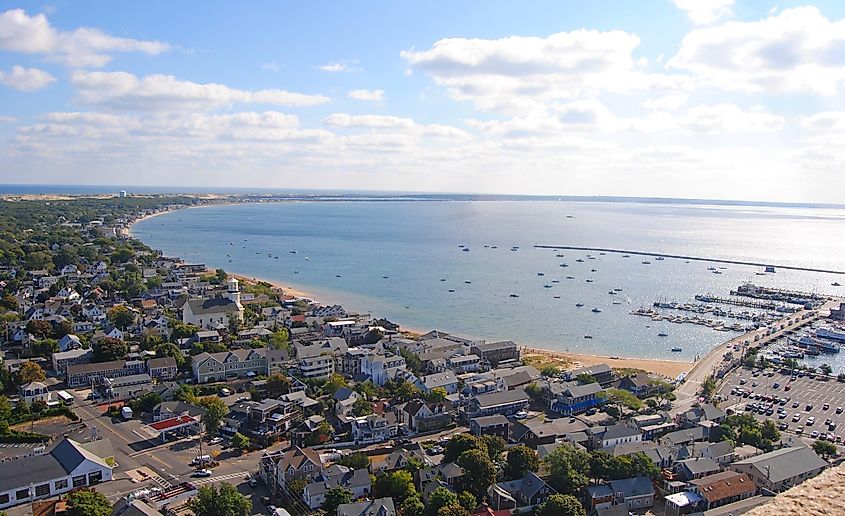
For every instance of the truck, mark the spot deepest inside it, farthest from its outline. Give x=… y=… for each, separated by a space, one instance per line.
x=126 y=413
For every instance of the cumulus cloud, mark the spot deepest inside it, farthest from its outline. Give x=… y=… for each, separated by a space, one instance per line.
x=123 y=90
x=797 y=50
x=518 y=73
x=369 y=121
x=702 y=12
x=26 y=79
x=83 y=47
x=6 y=119
x=341 y=66
x=366 y=94
x=827 y=121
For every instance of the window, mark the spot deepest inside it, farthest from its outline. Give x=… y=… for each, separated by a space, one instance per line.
x=4 y=499
x=79 y=481
x=21 y=494
x=95 y=477
x=42 y=490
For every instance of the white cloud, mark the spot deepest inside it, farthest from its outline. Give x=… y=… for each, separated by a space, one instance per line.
x=517 y=73
x=82 y=47
x=272 y=66
x=6 y=119
x=666 y=103
x=827 y=121
x=366 y=94
x=123 y=90
x=369 y=121
x=341 y=66
x=703 y=12
x=26 y=79
x=729 y=118
x=797 y=50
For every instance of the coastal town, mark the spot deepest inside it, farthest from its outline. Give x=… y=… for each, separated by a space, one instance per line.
x=135 y=383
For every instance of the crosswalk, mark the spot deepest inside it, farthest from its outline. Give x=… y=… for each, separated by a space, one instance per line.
x=219 y=478
x=161 y=481
x=20 y=445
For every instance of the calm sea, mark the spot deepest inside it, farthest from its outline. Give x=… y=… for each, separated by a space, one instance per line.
x=343 y=250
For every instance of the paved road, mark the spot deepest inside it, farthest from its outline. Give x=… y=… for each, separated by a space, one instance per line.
x=715 y=358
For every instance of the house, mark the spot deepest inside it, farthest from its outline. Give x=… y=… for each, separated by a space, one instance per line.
x=505 y=403
x=781 y=469
x=320 y=366
x=299 y=435
x=334 y=346
x=225 y=365
x=350 y=362
x=691 y=469
x=214 y=313
x=67 y=466
x=598 y=496
x=604 y=437
x=722 y=452
x=62 y=360
x=696 y=415
x=170 y=409
x=374 y=428
x=601 y=372
x=640 y=385
x=662 y=456
x=422 y=417
x=268 y=419
x=685 y=436
x=527 y=491
x=636 y=493
x=344 y=399
x=398 y=459
x=570 y=398
x=496 y=424
x=448 y=473
x=445 y=380
x=34 y=391
x=464 y=363
x=163 y=368
x=127 y=387
x=69 y=342
x=723 y=488
x=381 y=367
x=276 y=469
x=495 y=352
x=307 y=405
x=357 y=482
x=80 y=375
x=377 y=507
x=535 y=432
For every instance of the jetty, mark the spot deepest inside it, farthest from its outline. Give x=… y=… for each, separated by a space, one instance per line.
x=685 y=257
x=762 y=305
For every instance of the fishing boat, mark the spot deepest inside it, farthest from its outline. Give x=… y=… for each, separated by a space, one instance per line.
x=541 y=274
x=514 y=295
x=557 y=297
x=384 y=277
x=617 y=289
x=835 y=284
x=617 y=302
x=589 y=280
x=594 y=270
x=451 y=290
x=468 y=282
x=626 y=256
x=292 y=251
x=596 y=311
x=442 y=279
x=579 y=305
x=580 y=260
x=659 y=258
x=547 y=285
x=555 y=281
x=611 y=292
x=559 y=255
x=465 y=249
x=646 y=262
x=588 y=336
x=338 y=276
x=570 y=277
x=677 y=350
x=564 y=265
x=494 y=247
x=661 y=334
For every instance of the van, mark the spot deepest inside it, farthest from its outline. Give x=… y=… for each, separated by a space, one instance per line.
x=225 y=392
x=201 y=459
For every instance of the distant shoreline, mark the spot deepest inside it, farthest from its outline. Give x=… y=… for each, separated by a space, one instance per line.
x=667 y=368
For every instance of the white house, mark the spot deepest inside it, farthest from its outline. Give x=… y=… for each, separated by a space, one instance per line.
x=69 y=465
x=214 y=313
x=357 y=482
x=382 y=368
x=34 y=391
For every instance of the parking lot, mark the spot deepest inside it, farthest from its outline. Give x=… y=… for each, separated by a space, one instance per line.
x=800 y=406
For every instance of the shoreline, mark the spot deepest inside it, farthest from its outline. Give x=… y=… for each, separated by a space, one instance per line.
x=668 y=368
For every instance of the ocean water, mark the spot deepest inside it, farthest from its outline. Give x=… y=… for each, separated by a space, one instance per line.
x=416 y=244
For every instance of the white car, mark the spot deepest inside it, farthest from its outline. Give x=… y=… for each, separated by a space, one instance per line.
x=201 y=473
x=521 y=414
x=216 y=440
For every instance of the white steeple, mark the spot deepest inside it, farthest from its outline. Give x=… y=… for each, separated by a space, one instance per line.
x=234 y=292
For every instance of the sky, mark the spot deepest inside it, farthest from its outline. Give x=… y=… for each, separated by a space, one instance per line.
x=717 y=99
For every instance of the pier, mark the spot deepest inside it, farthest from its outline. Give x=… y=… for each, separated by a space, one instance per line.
x=684 y=257
x=739 y=302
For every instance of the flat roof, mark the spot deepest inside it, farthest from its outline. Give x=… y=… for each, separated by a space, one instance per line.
x=173 y=422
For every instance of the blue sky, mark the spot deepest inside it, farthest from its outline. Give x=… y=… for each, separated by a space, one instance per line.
x=676 y=98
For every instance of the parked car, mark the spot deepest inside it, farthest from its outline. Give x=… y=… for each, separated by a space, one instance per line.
x=201 y=473
x=826 y=406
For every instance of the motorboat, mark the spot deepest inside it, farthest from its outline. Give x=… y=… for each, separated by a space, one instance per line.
x=514 y=295
x=596 y=311
x=579 y=305
x=661 y=334
x=677 y=350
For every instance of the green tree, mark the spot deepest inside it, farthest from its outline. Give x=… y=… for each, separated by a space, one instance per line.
x=568 y=469
x=398 y=485
x=9 y=302
x=224 y=500
x=146 y=402
x=412 y=361
x=459 y=443
x=550 y=370
x=623 y=399
x=560 y=505
x=5 y=408
x=495 y=446
x=407 y=391
x=840 y=377
x=335 y=382
x=122 y=255
x=87 y=502
x=168 y=349
x=367 y=389
x=354 y=461
x=467 y=500
x=824 y=448
x=826 y=369
x=586 y=378
x=62 y=328
x=709 y=385
x=455 y=509
x=521 y=459
x=412 y=505
x=280 y=339
x=361 y=407
x=436 y=395
x=441 y=497
x=479 y=471
x=41 y=329
x=108 y=349
x=215 y=410
x=335 y=497
x=30 y=372
x=240 y=441
x=277 y=385
x=181 y=330
x=120 y=316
